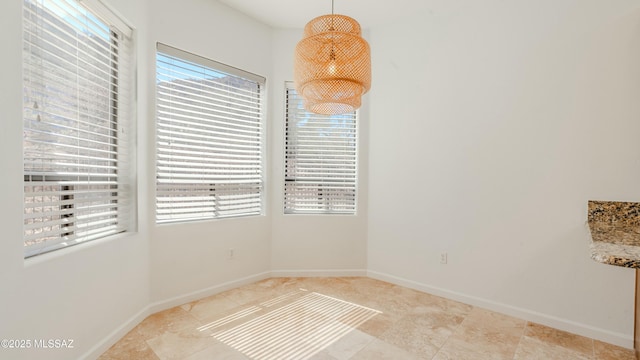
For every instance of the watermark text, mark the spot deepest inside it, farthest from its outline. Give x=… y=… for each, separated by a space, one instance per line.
x=36 y=343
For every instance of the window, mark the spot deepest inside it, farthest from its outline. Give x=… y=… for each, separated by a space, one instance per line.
x=209 y=139
x=77 y=121
x=320 y=160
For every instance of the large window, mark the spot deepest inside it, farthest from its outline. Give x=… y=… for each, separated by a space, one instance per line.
x=320 y=160
x=77 y=121
x=209 y=139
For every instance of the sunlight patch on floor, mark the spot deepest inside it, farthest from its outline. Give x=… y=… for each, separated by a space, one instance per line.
x=298 y=330
x=231 y=318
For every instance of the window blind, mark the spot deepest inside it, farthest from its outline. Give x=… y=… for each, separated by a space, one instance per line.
x=320 y=160
x=77 y=120
x=209 y=139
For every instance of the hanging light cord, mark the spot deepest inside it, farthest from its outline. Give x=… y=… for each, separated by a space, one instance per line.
x=332 y=19
x=332 y=56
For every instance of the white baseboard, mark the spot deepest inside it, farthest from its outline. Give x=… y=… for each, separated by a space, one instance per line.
x=319 y=273
x=196 y=295
x=153 y=308
x=116 y=335
x=619 y=339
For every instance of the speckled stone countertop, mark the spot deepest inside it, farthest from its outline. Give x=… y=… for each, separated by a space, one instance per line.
x=615 y=232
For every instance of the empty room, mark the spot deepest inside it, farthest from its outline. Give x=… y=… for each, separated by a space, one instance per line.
x=318 y=179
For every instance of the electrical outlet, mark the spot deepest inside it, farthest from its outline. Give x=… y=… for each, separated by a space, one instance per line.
x=443 y=258
x=231 y=254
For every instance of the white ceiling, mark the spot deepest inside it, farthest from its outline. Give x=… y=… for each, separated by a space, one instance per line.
x=369 y=13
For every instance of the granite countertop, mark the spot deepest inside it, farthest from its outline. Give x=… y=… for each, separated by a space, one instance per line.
x=615 y=232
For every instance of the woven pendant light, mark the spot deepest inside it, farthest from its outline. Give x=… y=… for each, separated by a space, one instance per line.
x=332 y=67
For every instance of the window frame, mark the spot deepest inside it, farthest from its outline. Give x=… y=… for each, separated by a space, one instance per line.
x=57 y=188
x=328 y=207
x=217 y=197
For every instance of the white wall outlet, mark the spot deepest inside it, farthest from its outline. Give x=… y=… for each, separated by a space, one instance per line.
x=443 y=258
x=231 y=254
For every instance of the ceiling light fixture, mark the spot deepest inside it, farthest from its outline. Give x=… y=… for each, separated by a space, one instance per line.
x=332 y=66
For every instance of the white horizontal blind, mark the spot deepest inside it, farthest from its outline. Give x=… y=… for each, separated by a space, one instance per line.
x=209 y=139
x=320 y=160
x=77 y=117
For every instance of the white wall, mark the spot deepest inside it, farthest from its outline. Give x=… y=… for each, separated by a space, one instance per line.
x=93 y=293
x=307 y=244
x=521 y=113
x=82 y=293
x=192 y=258
x=491 y=127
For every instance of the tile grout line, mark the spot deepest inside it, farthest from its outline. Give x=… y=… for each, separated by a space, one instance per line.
x=524 y=331
x=146 y=341
x=453 y=332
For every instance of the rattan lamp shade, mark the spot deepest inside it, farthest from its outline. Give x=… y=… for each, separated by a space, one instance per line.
x=332 y=67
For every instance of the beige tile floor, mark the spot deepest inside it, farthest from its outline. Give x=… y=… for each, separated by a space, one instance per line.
x=346 y=318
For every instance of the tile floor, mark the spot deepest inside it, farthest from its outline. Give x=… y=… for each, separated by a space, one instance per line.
x=345 y=318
